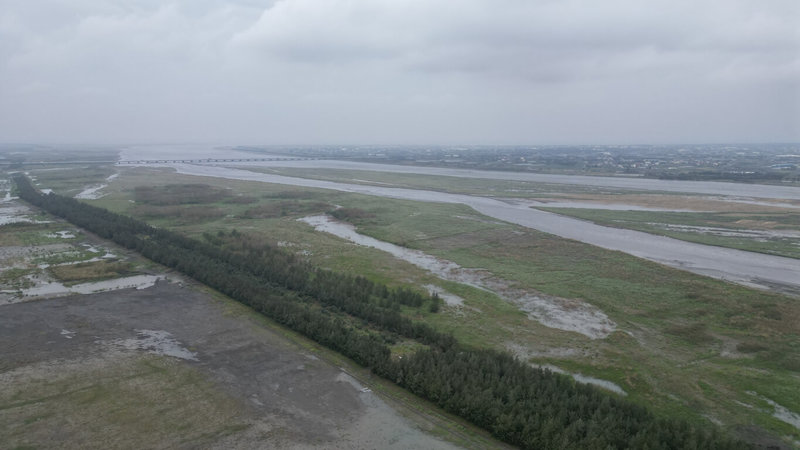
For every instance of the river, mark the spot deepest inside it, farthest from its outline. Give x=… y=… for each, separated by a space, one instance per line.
x=752 y=269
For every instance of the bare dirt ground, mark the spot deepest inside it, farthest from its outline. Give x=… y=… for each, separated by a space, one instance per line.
x=168 y=367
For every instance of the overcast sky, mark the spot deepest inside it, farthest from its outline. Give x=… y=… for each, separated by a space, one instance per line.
x=400 y=71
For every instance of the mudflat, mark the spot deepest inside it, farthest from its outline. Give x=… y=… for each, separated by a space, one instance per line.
x=171 y=366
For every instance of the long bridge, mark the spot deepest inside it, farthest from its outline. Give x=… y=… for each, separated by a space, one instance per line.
x=206 y=160
x=150 y=161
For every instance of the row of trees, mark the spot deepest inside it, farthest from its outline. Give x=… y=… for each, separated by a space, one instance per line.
x=522 y=405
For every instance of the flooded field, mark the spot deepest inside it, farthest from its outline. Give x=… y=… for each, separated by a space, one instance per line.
x=56 y=289
x=12 y=211
x=57 y=260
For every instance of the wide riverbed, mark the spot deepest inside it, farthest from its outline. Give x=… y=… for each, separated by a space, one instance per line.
x=754 y=269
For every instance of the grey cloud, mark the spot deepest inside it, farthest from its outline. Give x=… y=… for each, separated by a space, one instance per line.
x=576 y=39
x=403 y=71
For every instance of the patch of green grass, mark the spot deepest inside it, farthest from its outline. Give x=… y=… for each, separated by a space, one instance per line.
x=11 y=234
x=90 y=271
x=696 y=333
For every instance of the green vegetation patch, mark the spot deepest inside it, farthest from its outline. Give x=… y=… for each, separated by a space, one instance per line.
x=183 y=214
x=31 y=234
x=284 y=208
x=180 y=194
x=696 y=333
x=16 y=278
x=11 y=234
x=90 y=271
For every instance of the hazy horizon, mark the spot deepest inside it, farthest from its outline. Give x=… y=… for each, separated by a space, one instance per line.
x=56 y=144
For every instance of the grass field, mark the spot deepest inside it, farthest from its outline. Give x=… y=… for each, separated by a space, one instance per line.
x=686 y=345
x=90 y=271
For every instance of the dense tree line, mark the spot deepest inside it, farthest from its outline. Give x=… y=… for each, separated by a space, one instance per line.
x=537 y=409
x=522 y=405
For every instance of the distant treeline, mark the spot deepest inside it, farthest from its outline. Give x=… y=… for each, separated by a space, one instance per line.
x=522 y=405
